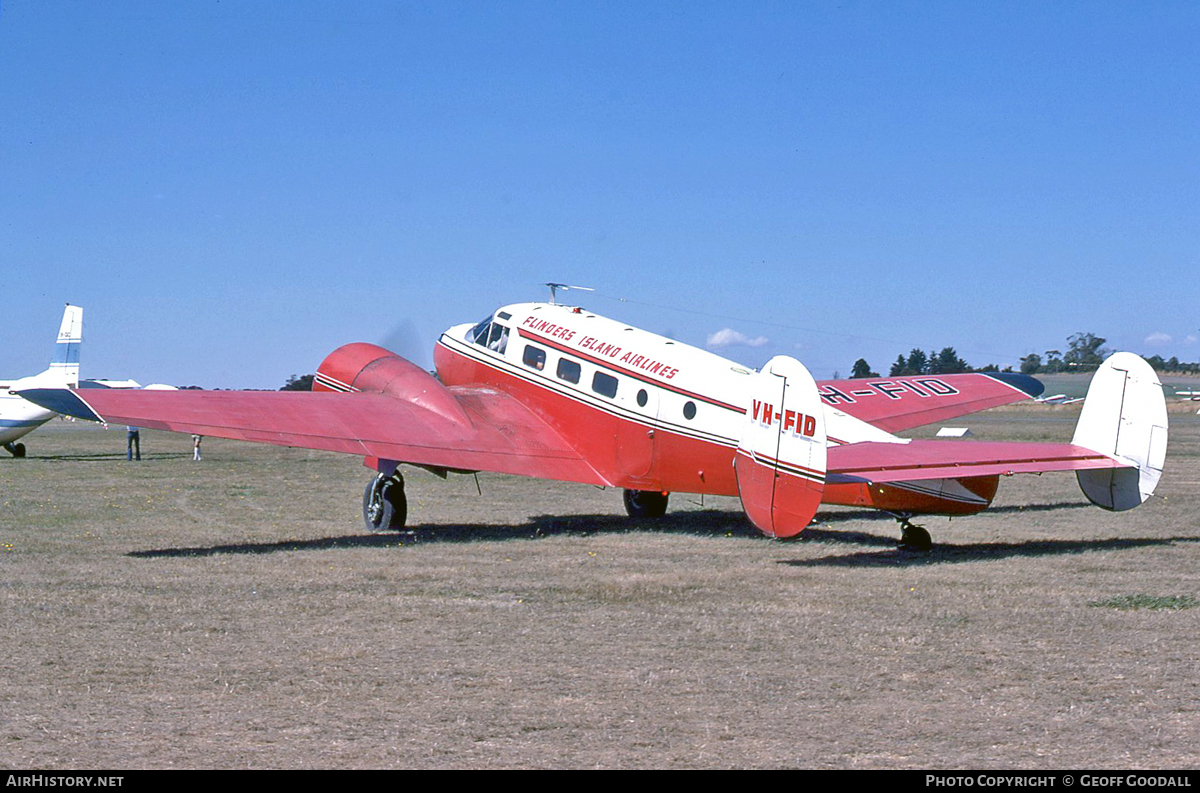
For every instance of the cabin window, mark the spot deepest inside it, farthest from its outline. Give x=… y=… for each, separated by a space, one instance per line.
x=642 y=397
x=568 y=370
x=534 y=357
x=689 y=410
x=604 y=384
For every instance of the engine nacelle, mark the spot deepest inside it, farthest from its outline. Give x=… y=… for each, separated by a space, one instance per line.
x=371 y=368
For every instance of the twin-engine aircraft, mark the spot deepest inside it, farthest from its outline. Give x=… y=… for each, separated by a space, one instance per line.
x=559 y=392
x=19 y=417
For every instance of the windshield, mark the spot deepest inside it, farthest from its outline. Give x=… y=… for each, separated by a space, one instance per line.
x=479 y=333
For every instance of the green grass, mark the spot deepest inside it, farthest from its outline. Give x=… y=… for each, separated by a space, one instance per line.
x=1152 y=602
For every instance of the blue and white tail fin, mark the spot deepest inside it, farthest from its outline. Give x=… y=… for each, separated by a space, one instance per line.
x=66 y=350
x=64 y=366
x=1124 y=417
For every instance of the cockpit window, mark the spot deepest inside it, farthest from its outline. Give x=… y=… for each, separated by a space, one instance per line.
x=479 y=333
x=498 y=338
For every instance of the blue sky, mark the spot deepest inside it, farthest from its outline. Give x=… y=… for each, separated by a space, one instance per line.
x=233 y=189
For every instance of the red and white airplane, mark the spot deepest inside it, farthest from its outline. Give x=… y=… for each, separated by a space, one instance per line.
x=559 y=392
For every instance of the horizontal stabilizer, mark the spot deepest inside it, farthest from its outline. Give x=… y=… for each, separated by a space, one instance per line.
x=952 y=459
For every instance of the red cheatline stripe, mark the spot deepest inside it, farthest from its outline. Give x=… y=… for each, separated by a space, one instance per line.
x=812 y=474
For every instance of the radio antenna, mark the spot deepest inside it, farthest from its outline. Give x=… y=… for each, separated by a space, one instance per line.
x=555 y=287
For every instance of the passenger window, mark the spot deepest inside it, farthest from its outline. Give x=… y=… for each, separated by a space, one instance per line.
x=604 y=384
x=534 y=357
x=568 y=370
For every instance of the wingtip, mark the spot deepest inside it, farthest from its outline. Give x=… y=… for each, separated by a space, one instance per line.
x=61 y=400
x=1022 y=382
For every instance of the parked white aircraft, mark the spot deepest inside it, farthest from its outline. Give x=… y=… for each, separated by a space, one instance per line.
x=19 y=417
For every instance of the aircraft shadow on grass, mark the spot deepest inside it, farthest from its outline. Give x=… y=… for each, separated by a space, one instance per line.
x=108 y=457
x=944 y=553
x=704 y=523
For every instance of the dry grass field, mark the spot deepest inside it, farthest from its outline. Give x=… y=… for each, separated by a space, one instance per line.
x=232 y=613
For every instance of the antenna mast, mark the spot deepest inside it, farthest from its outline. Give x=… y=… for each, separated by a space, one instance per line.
x=555 y=287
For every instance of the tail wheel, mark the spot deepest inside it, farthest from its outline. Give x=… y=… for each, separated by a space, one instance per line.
x=385 y=507
x=914 y=538
x=646 y=503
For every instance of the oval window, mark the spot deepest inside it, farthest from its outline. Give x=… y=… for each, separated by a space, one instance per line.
x=689 y=411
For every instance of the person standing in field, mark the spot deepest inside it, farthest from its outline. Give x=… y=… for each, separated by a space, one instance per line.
x=133 y=444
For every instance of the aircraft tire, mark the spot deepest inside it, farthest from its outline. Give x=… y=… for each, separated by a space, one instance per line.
x=646 y=503
x=18 y=450
x=385 y=506
x=915 y=538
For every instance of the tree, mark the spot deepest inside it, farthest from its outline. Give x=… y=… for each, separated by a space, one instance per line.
x=1031 y=363
x=302 y=383
x=917 y=363
x=1086 y=349
x=947 y=362
x=862 y=369
x=897 y=367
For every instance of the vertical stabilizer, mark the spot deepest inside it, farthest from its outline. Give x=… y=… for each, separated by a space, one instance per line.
x=780 y=463
x=1125 y=417
x=65 y=364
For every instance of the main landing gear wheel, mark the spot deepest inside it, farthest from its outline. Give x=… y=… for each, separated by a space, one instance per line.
x=914 y=538
x=385 y=507
x=646 y=503
x=15 y=449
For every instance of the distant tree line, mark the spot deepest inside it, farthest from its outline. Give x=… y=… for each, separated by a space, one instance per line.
x=919 y=362
x=298 y=383
x=1173 y=364
x=1085 y=351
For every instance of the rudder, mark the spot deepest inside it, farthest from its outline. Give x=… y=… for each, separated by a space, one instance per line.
x=781 y=460
x=1124 y=416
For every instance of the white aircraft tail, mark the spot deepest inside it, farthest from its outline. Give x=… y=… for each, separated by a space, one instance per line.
x=64 y=366
x=1124 y=416
x=781 y=460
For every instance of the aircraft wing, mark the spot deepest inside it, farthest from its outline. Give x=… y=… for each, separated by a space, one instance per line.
x=900 y=403
x=491 y=431
x=928 y=459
